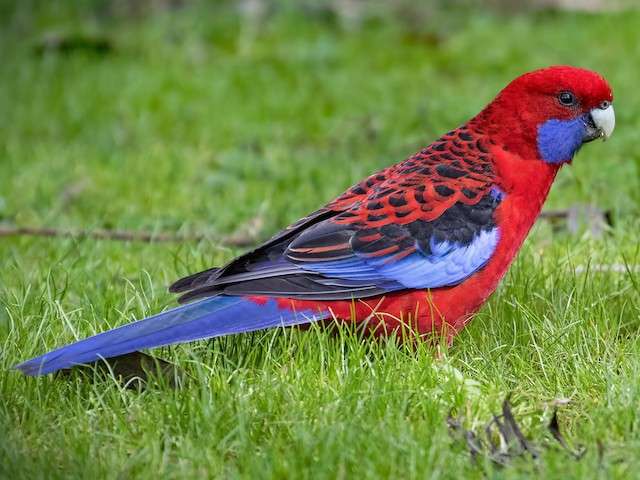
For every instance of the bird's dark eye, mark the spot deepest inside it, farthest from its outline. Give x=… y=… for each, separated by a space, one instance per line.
x=605 y=104
x=567 y=99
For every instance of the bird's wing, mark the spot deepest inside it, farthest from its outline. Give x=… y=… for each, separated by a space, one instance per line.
x=427 y=222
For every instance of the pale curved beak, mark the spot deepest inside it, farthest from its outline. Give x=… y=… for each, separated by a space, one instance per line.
x=604 y=120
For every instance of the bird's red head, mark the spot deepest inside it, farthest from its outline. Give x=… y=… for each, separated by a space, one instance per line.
x=549 y=113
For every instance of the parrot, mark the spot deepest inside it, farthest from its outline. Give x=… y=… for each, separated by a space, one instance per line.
x=421 y=244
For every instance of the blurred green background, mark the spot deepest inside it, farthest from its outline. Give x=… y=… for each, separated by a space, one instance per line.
x=223 y=118
x=163 y=114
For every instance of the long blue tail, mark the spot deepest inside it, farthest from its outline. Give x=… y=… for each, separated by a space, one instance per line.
x=211 y=317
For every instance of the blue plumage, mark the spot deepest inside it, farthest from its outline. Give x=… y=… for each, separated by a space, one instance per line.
x=211 y=317
x=447 y=263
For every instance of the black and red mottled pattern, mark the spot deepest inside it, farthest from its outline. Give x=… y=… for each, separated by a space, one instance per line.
x=441 y=194
x=443 y=190
x=455 y=168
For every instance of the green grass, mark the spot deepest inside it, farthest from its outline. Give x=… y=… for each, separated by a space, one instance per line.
x=199 y=121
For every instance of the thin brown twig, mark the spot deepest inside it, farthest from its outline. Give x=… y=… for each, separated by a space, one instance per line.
x=123 y=235
x=246 y=237
x=553 y=214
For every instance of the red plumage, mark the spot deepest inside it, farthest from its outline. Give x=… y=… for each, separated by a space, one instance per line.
x=497 y=147
x=420 y=244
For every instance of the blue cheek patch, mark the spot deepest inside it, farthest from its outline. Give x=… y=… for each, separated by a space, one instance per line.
x=559 y=140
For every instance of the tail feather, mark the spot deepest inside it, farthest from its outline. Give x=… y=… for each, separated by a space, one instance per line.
x=210 y=317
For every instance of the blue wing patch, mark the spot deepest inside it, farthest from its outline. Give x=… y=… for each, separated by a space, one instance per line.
x=329 y=260
x=447 y=264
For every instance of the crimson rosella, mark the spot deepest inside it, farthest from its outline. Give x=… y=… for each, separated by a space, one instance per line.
x=422 y=243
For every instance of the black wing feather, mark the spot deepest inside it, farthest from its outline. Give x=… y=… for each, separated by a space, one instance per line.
x=207 y=277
